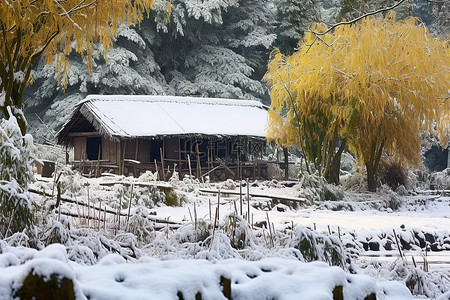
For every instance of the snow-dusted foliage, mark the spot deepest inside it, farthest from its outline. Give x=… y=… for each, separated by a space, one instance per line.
x=222 y=48
x=209 y=48
x=17 y=154
x=294 y=16
x=129 y=68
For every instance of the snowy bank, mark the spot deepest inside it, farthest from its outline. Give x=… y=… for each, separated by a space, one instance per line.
x=150 y=278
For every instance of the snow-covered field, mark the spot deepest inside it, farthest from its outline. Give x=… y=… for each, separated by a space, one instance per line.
x=206 y=248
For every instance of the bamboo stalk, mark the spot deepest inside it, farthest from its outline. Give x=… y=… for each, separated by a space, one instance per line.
x=99 y=214
x=89 y=211
x=240 y=196
x=161 y=152
x=189 y=165
x=156 y=170
x=129 y=203
x=248 y=201
x=398 y=245
x=270 y=228
x=104 y=218
x=190 y=215
x=218 y=204
x=118 y=212
x=195 y=217
x=209 y=203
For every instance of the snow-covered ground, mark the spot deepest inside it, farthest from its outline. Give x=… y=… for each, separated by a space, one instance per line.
x=205 y=246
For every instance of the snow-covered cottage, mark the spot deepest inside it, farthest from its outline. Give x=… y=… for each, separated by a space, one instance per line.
x=221 y=138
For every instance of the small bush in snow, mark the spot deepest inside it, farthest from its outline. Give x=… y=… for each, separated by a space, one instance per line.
x=316 y=246
x=71 y=181
x=229 y=184
x=394 y=174
x=141 y=226
x=148 y=177
x=17 y=154
x=237 y=231
x=315 y=188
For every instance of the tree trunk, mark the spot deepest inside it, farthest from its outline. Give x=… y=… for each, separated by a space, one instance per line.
x=21 y=121
x=371 y=178
x=448 y=158
x=335 y=166
x=335 y=169
x=286 y=163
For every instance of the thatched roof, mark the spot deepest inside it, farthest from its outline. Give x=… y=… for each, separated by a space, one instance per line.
x=122 y=116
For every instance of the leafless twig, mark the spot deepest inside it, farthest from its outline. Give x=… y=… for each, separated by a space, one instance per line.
x=357 y=19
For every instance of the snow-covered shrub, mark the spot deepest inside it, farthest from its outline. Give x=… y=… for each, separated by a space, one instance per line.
x=219 y=248
x=147 y=196
x=196 y=232
x=140 y=225
x=348 y=162
x=17 y=153
x=148 y=176
x=316 y=246
x=238 y=231
x=418 y=281
x=229 y=184
x=441 y=180
x=187 y=185
x=57 y=232
x=394 y=174
x=315 y=188
x=390 y=198
x=274 y=172
x=71 y=181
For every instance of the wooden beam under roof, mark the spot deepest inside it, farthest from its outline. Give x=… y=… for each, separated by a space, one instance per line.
x=89 y=133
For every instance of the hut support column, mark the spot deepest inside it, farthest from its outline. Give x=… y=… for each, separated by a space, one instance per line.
x=119 y=157
x=286 y=164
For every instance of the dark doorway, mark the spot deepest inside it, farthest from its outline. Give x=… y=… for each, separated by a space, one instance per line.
x=94 y=148
x=155 y=148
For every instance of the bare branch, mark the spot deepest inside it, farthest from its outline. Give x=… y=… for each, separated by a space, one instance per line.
x=80 y=6
x=357 y=19
x=67 y=15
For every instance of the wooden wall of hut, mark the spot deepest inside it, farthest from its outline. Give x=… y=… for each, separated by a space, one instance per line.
x=219 y=158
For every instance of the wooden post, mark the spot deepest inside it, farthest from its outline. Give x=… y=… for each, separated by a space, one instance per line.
x=122 y=163
x=226 y=150
x=199 y=166
x=97 y=171
x=240 y=197
x=208 y=160
x=119 y=156
x=239 y=163
x=161 y=153
x=137 y=148
x=248 y=201
x=179 y=155
x=286 y=163
x=448 y=158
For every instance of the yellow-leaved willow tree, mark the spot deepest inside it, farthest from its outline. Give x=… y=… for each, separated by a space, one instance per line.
x=32 y=28
x=372 y=85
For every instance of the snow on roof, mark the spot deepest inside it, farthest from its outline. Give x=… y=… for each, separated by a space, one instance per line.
x=149 y=116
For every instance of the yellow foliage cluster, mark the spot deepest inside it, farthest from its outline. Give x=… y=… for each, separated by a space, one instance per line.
x=377 y=83
x=29 y=28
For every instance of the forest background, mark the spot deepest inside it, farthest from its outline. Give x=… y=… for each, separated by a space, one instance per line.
x=211 y=48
